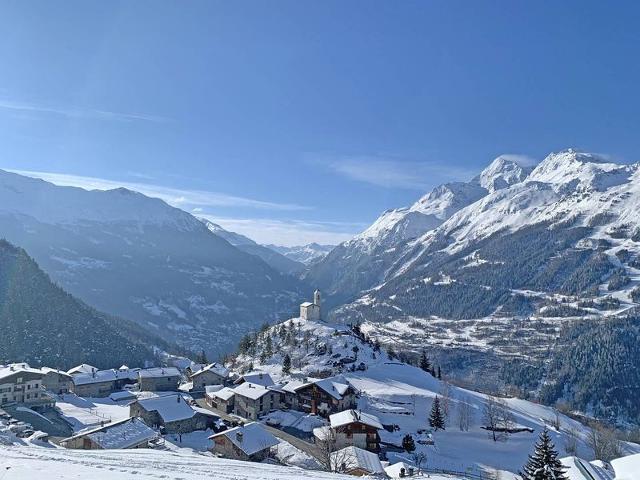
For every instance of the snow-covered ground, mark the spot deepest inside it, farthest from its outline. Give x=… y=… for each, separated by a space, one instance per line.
x=401 y=395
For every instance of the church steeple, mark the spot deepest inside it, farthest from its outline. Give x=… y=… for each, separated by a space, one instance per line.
x=316 y=297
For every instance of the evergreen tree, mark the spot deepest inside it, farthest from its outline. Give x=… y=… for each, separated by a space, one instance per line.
x=439 y=373
x=408 y=444
x=436 y=419
x=268 y=349
x=424 y=362
x=286 y=364
x=544 y=463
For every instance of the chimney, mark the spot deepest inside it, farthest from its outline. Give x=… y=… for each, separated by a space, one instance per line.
x=239 y=436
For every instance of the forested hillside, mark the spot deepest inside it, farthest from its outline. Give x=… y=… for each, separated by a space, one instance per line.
x=44 y=325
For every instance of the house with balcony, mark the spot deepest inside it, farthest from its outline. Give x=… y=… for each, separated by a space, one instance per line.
x=350 y=428
x=19 y=383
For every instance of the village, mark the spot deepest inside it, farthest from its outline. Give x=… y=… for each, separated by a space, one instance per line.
x=332 y=413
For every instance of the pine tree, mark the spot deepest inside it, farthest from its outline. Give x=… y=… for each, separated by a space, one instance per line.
x=424 y=362
x=286 y=364
x=408 y=444
x=544 y=463
x=436 y=419
x=439 y=373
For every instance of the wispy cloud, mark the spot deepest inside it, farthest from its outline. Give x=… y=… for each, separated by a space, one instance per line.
x=394 y=173
x=181 y=198
x=289 y=232
x=522 y=160
x=77 y=112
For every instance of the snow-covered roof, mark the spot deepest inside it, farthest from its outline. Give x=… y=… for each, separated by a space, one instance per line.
x=257 y=378
x=250 y=438
x=251 y=390
x=123 y=395
x=329 y=385
x=13 y=368
x=579 y=469
x=82 y=368
x=215 y=368
x=306 y=304
x=126 y=433
x=627 y=468
x=159 y=372
x=47 y=370
x=394 y=470
x=354 y=416
x=223 y=394
x=100 y=376
x=171 y=408
x=354 y=457
x=293 y=386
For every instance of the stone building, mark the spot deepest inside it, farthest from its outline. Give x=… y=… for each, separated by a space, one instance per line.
x=251 y=400
x=311 y=310
x=212 y=374
x=250 y=442
x=351 y=428
x=173 y=414
x=160 y=379
x=127 y=433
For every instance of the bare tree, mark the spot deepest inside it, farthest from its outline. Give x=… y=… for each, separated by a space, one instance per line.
x=332 y=458
x=418 y=459
x=497 y=418
x=603 y=442
x=571 y=442
x=465 y=413
x=446 y=399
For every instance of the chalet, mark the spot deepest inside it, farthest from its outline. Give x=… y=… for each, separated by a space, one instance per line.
x=160 y=379
x=351 y=428
x=252 y=400
x=220 y=398
x=102 y=383
x=250 y=442
x=311 y=310
x=356 y=461
x=127 y=433
x=212 y=374
x=257 y=378
x=323 y=397
x=172 y=413
x=56 y=381
x=19 y=383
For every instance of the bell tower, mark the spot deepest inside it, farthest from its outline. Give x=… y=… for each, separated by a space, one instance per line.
x=316 y=297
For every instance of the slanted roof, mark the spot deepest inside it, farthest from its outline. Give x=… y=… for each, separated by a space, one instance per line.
x=354 y=416
x=100 y=376
x=330 y=385
x=627 y=468
x=223 y=394
x=123 y=395
x=293 y=386
x=82 y=368
x=306 y=304
x=250 y=438
x=171 y=408
x=251 y=390
x=356 y=458
x=579 y=469
x=394 y=470
x=216 y=368
x=16 y=368
x=159 y=372
x=47 y=370
x=257 y=378
x=125 y=433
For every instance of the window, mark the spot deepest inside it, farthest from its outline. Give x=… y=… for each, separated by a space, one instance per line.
x=19 y=380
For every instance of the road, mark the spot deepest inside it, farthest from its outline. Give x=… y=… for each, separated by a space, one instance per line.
x=308 y=448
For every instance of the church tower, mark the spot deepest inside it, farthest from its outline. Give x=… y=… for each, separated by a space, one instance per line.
x=316 y=297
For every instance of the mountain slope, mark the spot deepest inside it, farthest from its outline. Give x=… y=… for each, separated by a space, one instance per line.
x=305 y=254
x=43 y=325
x=271 y=257
x=502 y=275
x=139 y=258
x=364 y=261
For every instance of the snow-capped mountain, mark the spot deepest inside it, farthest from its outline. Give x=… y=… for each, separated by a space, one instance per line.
x=305 y=254
x=363 y=261
x=560 y=243
x=280 y=262
x=137 y=257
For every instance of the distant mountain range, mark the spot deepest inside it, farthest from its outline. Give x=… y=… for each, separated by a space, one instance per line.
x=43 y=325
x=492 y=269
x=136 y=257
x=305 y=254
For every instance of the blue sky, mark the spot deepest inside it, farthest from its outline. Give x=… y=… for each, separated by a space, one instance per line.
x=299 y=121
